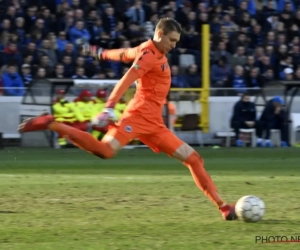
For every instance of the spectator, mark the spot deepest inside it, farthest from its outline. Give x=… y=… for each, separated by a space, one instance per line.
x=285 y=62
x=97 y=32
x=46 y=64
x=39 y=27
x=66 y=22
x=243 y=117
x=136 y=13
x=239 y=57
x=35 y=37
x=31 y=51
x=150 y=25
x=30 y=17
x=134 y=34
x=46 y=50
x=92 y=68
x=11 y=13
x=61 y=41
x=288 y=74
x=80 y=73
x=11 y=53
x=19 y=29
x=110 y=74
x=69 y=51
x=264 y=35
x=253 y=81
x=78 y=14
x=238 y=81
x=256 y=36
x=192 y=77
x=267 y=76
x=221 y=51
x=220 y=73
x=12 y=82
x=26 y=75
x=177 y=80
x=79 y=34
x=80 y=62
x=250 y=64
x=41 y=73
x=109 y=20
x=59 y=71
x=99 y=75
x=53 y=42
x=68 y=66
x=274 y=117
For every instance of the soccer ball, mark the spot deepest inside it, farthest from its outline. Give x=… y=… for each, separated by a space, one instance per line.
x=250 y=208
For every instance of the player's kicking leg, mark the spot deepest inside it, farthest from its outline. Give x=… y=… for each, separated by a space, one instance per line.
x=165 y=141
x=190 y=158
x=104 y=149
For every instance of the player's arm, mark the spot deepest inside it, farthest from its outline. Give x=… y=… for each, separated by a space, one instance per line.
x=122 y=55
x=143 y=63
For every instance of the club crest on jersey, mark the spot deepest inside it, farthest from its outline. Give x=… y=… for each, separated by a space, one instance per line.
x=128 y=129
x=136 y=66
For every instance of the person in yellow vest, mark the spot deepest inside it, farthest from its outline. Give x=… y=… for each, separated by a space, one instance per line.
x=65 y=112
x=85 y=105
x=100 y=100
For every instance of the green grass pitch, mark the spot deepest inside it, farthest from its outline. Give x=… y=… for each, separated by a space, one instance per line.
x=70 y=200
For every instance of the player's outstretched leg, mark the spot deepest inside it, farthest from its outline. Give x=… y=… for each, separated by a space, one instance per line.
x=79 y=138
x=195 y=163
x=170 y=144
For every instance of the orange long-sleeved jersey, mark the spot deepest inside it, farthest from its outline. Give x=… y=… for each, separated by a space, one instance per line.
x=151 y=70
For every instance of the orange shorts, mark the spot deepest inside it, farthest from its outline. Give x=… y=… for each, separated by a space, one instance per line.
x=156 y=136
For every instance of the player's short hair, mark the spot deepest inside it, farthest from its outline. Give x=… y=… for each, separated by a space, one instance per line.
x=167 y=25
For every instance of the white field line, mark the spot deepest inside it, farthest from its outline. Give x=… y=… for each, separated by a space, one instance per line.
x=61 y=177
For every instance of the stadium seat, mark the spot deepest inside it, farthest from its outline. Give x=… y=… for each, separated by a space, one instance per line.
x=9 y=139
x=275 y=137
x=252 y=133
x=190 y=123
x=185 y=107
x=229 y=134
x=186 y=60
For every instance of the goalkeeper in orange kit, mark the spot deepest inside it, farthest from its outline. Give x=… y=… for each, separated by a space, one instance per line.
x=143 y=116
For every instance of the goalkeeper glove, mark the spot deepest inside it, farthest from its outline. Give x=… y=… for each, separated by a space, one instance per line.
x=103 y=119
x=93 y=50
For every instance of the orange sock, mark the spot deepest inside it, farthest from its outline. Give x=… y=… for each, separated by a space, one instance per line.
x=202 y=179
x=83 y=140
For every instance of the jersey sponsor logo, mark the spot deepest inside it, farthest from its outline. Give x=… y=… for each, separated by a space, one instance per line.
x=128 y=129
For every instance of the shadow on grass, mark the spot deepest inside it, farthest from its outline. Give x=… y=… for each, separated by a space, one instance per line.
x=7 y=212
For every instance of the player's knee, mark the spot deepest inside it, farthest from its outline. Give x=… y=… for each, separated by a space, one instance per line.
x=183 y=152
x=113 y=142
